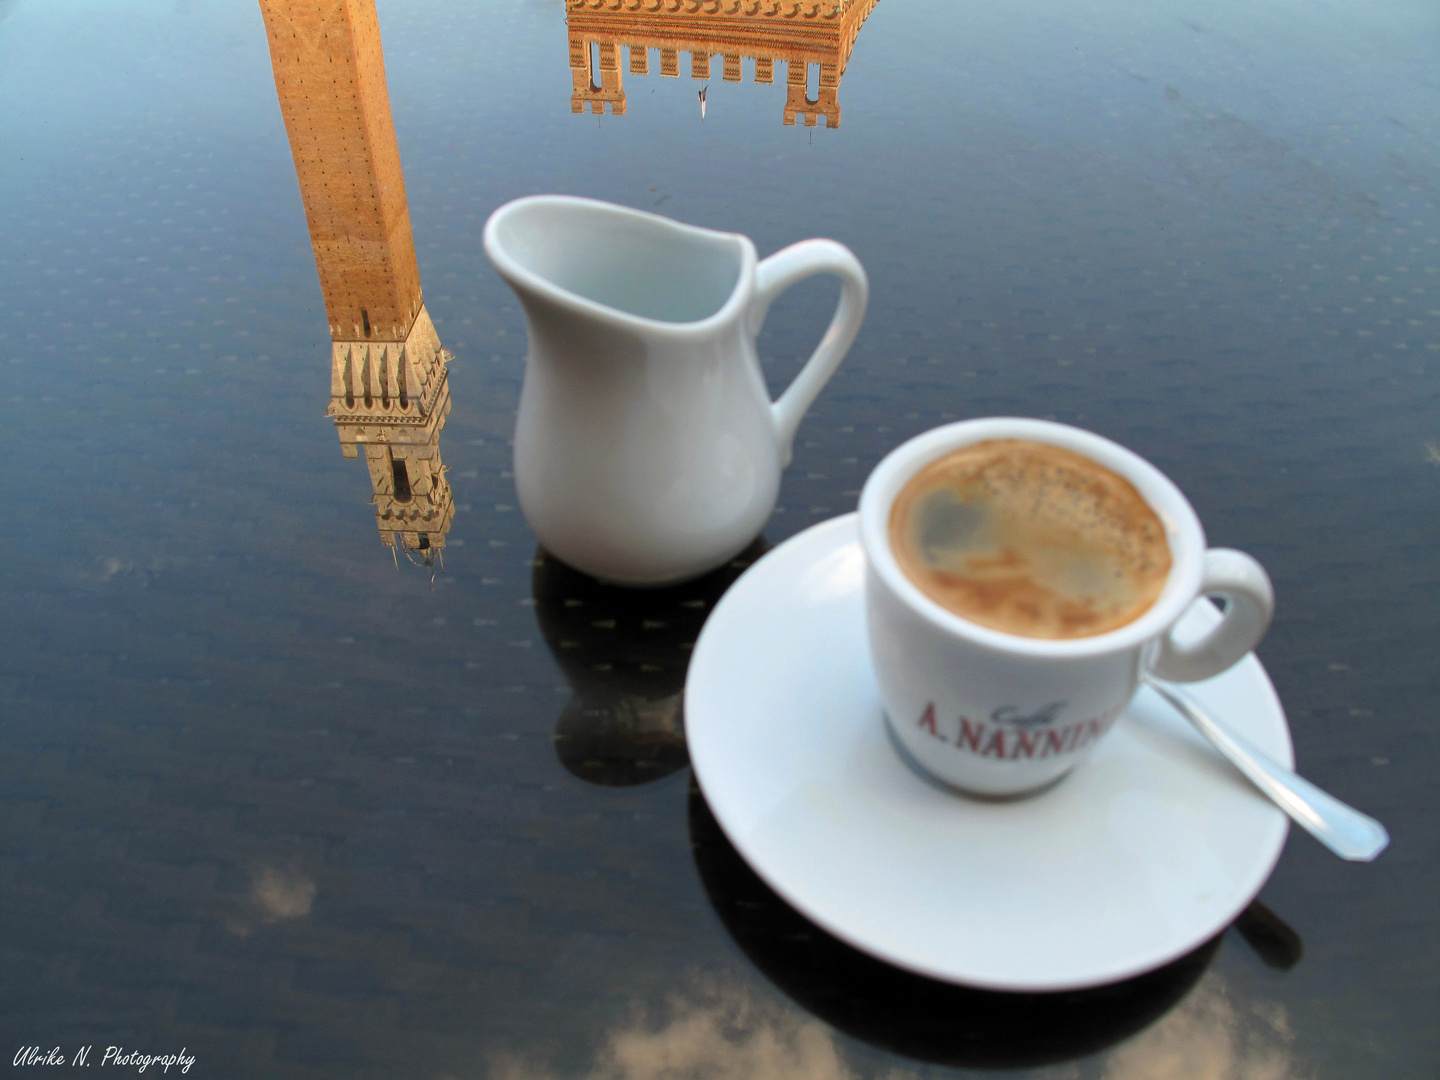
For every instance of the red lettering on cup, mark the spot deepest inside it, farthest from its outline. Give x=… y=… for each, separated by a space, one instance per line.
x=927 y=721
x=1025 y=744
x=1055 y=740
x=996 y=746
x=1090 y=730
x=970 y=736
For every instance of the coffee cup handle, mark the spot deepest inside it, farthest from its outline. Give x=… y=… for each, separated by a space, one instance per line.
x=776 y=274
x=1250 y=603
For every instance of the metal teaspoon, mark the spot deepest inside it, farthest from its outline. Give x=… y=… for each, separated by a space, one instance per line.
x=1343 y=829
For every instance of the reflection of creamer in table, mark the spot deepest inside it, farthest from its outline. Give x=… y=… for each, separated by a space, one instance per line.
x=798 y=32
x=388 y=386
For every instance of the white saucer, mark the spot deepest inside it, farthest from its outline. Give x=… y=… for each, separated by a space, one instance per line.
x=1149 y=848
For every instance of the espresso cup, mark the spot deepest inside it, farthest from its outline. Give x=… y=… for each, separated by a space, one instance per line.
x=996 y=713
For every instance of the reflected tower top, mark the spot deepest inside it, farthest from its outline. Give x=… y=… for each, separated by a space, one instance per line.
x=388 y=387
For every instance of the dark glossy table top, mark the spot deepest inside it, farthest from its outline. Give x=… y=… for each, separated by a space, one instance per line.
x=270 y=793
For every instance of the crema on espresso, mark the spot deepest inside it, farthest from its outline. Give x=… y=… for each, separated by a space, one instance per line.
x=1030 y=539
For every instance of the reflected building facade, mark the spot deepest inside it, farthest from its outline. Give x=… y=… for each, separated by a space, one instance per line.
x=389 y=392
x=797 y=33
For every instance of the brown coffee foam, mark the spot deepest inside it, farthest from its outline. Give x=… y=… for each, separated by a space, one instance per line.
x=1050 y=543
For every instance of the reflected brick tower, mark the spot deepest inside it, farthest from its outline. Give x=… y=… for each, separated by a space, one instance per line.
x=388 y=386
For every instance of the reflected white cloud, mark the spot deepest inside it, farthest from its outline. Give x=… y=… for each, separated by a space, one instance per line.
x=280 y=894
x=730 y=1033
x=1211 y=1036
x=719 y=1034
x=112 y=566
x=274 y=895
x=727 y=1040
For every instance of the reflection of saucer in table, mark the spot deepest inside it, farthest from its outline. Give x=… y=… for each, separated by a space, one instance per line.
x=909 y=1014
x=1146 y=850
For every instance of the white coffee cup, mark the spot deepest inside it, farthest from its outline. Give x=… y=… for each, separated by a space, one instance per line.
x=998 y=714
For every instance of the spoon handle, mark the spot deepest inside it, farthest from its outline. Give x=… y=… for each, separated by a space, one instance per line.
x=1343 y=829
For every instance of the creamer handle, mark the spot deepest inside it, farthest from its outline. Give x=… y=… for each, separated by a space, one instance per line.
x=776 y=274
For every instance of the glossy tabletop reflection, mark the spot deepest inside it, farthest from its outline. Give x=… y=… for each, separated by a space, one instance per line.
x=314 y=764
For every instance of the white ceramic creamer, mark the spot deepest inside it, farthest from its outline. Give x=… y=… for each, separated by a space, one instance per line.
x=647 y=449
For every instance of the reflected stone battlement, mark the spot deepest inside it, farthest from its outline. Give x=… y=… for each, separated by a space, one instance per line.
x=387 y=383
x=797 y=32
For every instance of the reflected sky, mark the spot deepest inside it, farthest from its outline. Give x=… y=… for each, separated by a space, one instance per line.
x=1208 y=231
